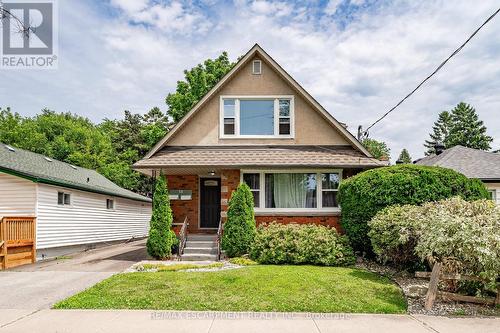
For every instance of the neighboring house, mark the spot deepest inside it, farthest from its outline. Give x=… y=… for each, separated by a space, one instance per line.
x=473 y=163
x=258 y=126
x=74 y=207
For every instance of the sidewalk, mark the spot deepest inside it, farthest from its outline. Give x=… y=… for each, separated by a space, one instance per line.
x=76 y=321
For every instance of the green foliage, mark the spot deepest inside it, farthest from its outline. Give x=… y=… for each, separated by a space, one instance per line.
x=110 y=147
x=301 y=244
x=198 y=81
x=241 y=261
x=461 y=127
x=239 y=229
x=363 y=195
x=404 y=157
x=464 y=235
x=378 y=149
x=161 y=238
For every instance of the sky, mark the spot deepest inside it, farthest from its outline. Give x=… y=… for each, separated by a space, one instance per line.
x=356 y=57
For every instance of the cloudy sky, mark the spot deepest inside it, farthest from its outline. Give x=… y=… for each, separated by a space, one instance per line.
x=356 y=57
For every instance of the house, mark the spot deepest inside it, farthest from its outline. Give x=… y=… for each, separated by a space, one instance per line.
x=74 y=207
x=473 y=163
x=257 y=126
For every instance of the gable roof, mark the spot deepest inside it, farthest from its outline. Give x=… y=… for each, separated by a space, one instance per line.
x=42 y=169
x=257 y=50
x=473 y=163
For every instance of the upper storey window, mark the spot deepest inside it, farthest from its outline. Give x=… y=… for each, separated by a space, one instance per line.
x=256 y=117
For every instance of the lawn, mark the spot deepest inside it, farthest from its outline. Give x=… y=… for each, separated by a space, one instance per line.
x=252 y=288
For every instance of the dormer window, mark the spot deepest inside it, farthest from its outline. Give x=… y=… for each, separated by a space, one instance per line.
x=257 y=67
x=256 y=117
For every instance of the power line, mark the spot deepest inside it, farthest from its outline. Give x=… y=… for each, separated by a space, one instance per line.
x=362 y=133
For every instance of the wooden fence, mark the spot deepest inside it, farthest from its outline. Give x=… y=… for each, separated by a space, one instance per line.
x=433 y=291
x=17 y=241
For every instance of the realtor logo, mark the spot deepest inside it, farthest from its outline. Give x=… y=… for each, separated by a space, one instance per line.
x=29 y=35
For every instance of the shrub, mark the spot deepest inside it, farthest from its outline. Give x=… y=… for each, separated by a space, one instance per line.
x=239 y=229
x=301 y=244
x=463 y=235
x=241 y=261
x=161 y=238
x=363 y=195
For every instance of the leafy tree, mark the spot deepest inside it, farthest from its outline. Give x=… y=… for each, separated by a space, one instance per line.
x=161 y=237
x=466 y=129
x=198 y=81
x=462 y=127
x=405 y=157
x=378 y=149
x=440 y=132
x=239 y=229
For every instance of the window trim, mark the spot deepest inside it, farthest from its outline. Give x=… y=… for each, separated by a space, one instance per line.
x=319 y=191
x=260 y=67
x=237 y=134
x=494 y=194
x=112 y=200
x=70 y=204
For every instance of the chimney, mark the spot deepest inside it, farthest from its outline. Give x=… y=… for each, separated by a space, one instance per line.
x=438 y=147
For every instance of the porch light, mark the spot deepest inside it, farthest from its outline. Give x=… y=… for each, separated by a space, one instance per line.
x=211 y=173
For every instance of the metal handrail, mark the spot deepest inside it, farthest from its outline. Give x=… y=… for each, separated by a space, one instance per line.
x=183 y=237
x=220 y=230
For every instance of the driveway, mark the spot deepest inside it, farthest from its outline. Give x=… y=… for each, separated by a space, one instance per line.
x=38 y=286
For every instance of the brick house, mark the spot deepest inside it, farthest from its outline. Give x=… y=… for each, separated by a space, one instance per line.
x=258 y=126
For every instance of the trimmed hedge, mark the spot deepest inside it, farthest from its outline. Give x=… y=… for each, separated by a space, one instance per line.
x=301 y=244
x=239 y=229
x=363 y=195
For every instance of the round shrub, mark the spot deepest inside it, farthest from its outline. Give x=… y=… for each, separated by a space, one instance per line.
x=363 y=195
x=239 y=229
x=301 y=244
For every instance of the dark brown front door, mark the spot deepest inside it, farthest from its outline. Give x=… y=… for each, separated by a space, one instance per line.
x=209 y=202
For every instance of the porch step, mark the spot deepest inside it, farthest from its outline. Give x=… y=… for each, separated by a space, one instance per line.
x=198 y=257
x=192 y=243
x=200 y=250
x=202 y=237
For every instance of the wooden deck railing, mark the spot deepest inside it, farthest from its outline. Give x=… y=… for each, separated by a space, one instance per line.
x=220 y=230
x=183 y=237
x=17 y=241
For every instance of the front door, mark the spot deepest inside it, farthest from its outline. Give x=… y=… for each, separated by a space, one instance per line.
x=209 y=202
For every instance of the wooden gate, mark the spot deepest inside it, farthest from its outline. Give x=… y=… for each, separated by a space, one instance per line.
x=17 y=241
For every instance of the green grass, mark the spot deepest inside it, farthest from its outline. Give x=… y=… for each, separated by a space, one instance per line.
x=180 y=267
x=253 y=288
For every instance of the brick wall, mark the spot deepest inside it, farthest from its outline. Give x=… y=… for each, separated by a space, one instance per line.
x=183 y=208
x=329 y=221
x=230 y=179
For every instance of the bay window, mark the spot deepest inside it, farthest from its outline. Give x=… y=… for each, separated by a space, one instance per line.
x=256 y=117
x=294 y=191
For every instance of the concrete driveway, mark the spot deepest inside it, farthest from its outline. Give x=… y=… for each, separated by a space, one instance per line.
x=40 y=285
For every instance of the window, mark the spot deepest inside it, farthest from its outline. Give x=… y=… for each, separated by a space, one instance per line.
x=257 y=67
x=257 y=117
x=329 y=188
x=294 y=191
x=229 y=116
x=253 y=181
x=493 y=194
x=180 y=194
x=110 y=204
x=63 y=198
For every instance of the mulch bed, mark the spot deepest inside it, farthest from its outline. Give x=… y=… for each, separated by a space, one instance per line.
x=407 y=280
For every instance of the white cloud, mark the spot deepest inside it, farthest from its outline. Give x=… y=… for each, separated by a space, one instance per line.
x=331 y=7
x=357 y=71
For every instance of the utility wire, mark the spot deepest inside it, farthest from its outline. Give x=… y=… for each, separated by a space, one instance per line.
x=365 y=132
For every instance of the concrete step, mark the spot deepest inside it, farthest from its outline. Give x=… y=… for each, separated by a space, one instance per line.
x=200 y=250
x=202 y=237
x=192 y=243
x=198 y=257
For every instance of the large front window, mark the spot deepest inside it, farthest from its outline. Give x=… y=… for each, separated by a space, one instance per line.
x=253 y=117
x=308 y=191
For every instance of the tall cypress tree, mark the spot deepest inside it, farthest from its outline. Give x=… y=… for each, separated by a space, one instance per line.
x=440 y=132
x=466 y=129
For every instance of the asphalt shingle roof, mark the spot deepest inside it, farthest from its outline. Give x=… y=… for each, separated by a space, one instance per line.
x=257 y=156
x=473 y=163
x=42 y=169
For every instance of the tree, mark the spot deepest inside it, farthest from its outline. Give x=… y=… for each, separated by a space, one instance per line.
x=161 y=237
x=440 y=132
x=198 y=81
x=378 y=149
x=462 y=127
x=239 y=229
x=405 y=157
x=466 y=129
